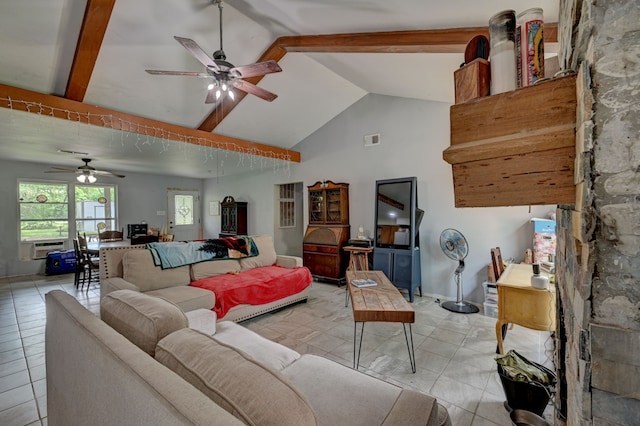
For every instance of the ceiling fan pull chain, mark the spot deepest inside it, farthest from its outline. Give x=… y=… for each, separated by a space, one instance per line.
x=220 y=14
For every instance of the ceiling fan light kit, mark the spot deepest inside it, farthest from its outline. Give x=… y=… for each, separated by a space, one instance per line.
x=86 y=178
x=224 y=74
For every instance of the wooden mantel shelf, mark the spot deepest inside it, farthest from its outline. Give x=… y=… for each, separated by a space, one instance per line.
x=515 y=148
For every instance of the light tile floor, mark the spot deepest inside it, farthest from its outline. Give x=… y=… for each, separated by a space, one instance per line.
x=454 y=352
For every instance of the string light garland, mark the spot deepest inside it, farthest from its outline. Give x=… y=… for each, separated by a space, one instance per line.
x=147 y=136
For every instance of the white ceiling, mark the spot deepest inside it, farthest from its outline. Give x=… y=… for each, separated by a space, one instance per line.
x=38 y=40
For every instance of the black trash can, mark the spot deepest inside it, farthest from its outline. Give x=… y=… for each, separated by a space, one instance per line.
x=527 y=395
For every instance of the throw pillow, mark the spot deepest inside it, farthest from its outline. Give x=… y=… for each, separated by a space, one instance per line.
x=138 y=268
x=266 y=253
x=141 y=318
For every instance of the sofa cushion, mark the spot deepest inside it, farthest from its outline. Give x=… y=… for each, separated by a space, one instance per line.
x=266 y=253
x=186 y=297
x=138 y=268
x=266 y=352
x=355 y=398
x=214 y=268
x=253 y=393
x=141 y=318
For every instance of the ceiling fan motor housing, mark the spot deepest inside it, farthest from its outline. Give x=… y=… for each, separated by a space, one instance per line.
x=219 y=55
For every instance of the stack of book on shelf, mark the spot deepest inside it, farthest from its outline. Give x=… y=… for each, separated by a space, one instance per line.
x=364 y=282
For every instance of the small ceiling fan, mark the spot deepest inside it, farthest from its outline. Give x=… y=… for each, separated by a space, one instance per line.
x=224 y=74
x=86 y=173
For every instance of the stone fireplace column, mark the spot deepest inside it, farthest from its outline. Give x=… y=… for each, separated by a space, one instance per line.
x=598 y=250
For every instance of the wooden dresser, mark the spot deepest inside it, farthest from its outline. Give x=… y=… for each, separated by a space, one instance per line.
x=328 y=231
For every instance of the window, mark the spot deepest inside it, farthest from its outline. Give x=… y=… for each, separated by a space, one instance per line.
x=287 y=205
x=184 y=209
x=44 y=210
x=48 y=210
x=95 y=209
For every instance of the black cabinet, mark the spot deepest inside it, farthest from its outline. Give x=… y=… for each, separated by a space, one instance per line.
x=397 y=243
x=402 y=267
x=234 y=219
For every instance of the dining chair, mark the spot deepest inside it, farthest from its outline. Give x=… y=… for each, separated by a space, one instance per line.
x=81 y=266
x=111 y=235
x=498 y=269
x=496 y=262
x=91 y=263
x=144 y=239
x=167 y=238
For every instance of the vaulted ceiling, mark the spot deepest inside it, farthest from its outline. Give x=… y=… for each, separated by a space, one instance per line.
x=72 y=74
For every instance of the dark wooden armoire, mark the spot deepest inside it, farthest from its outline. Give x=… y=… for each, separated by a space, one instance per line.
x=233 y=220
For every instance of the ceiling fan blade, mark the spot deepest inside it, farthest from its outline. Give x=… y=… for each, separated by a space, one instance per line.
x=59 y=171
x=253 y=70
x=64 y=169
x=106 y=173
x=245 y=86
x=187 y=73
x=197 y=52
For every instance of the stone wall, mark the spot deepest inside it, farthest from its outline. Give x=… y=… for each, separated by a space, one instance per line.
x=598 y=251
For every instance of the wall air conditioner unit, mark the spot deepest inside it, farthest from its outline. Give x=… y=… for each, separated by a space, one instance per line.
x=41 y=249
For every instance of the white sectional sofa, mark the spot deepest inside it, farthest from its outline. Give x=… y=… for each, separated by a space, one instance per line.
x=132 y=268
x=144 y=365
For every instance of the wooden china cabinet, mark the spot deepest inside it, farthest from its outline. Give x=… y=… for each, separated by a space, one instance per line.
x=328 y=231
x=233 y=219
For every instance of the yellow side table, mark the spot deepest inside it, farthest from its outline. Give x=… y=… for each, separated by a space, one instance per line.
x=519 y=303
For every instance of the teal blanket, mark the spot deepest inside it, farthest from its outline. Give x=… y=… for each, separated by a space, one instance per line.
x=175 y=254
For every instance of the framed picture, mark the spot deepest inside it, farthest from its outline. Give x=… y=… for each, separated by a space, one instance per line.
x=214 y=208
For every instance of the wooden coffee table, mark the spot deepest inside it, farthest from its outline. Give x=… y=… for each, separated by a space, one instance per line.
x=382 y=303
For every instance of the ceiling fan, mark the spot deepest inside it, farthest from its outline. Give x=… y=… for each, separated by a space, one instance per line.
x=224 y=74
x=86 y=173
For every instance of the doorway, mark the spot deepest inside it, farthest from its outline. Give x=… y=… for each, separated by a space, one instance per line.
x=183 y=214
x=288 y=230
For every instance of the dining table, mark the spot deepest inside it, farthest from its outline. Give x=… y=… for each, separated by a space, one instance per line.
x=93 y=247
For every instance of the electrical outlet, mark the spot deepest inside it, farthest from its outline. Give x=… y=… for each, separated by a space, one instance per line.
x=161 y=213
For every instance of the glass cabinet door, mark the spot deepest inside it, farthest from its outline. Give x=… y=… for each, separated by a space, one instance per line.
x=316 y=207
x=333 y=205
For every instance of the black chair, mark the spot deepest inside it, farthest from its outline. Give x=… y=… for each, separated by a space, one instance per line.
x=90 y=264
x=81 y=267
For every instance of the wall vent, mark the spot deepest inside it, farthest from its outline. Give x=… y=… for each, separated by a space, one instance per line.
x=41 y=249
x=372 y=140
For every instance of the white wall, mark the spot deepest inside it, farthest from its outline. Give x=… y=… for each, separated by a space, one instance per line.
x=140 y=197
x=413 y=134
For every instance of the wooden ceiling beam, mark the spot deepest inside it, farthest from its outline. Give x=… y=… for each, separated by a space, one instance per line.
x=94 y=26
x=68 y=109
x=450 y=40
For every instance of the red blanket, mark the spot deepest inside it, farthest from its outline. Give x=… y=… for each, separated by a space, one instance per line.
x=255 y=286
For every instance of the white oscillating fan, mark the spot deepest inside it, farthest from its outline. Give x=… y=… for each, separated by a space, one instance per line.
x=455 y=246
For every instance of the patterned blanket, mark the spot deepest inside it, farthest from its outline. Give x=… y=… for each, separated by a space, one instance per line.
x=175 y=254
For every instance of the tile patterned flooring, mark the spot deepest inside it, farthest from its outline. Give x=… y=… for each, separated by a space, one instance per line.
x=454 y=352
